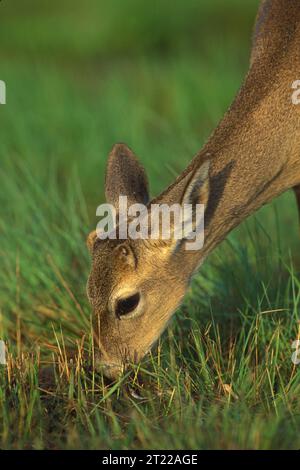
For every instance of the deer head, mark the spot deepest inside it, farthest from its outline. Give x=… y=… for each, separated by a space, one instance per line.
x=135 y=285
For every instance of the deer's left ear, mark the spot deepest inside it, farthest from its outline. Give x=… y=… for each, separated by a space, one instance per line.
x=196 y=190
x=125 y=176
x=195 y=195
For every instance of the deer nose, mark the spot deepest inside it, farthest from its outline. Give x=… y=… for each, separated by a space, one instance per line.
x=110 y=370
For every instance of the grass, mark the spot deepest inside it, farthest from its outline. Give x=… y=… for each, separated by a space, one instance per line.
x=79 y=80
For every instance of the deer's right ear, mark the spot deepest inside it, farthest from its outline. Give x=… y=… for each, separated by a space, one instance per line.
x=125 y=176
x=90 y=241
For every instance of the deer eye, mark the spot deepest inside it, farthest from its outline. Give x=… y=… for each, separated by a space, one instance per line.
x=127 y=305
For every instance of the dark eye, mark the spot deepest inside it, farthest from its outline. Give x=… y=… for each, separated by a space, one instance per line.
x=127 y=305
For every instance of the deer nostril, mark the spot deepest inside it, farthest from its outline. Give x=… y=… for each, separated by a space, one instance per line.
x=127 y=305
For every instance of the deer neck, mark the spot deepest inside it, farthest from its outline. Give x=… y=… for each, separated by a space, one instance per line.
x=241 y=181
x=255 y=151
x=254 y=154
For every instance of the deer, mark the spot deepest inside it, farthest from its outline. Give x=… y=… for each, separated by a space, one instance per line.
x=135 y=286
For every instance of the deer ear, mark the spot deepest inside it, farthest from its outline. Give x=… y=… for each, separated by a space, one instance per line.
x=125 y=254
x=197 y=188
x=90 y=241
x=125 y=176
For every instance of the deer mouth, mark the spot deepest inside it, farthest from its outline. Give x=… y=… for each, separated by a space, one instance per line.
x=111 y=370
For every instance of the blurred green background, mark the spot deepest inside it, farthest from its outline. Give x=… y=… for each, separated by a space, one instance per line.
x=159 y=76
x=83 y=75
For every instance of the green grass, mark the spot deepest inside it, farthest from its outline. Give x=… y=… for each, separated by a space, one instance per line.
x=81 y=76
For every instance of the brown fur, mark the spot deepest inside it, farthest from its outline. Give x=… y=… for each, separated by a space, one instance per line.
x=254 y=156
